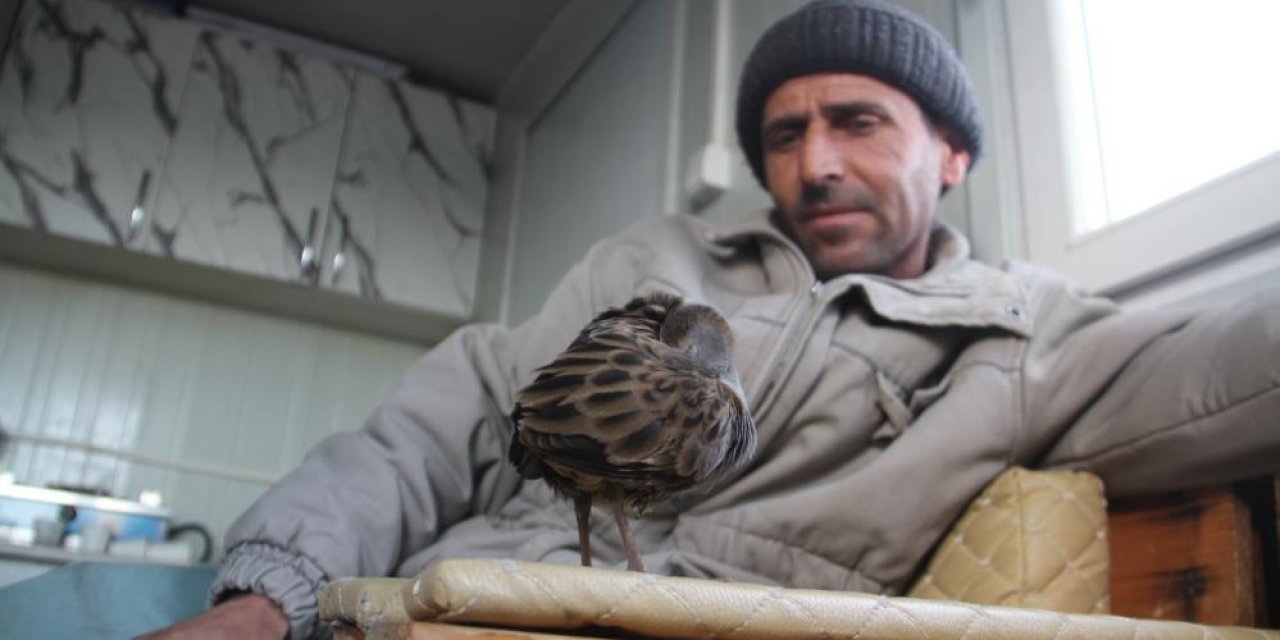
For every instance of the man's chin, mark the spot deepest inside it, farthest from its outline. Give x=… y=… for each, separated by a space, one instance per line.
x=828 y=269
x=829 y=262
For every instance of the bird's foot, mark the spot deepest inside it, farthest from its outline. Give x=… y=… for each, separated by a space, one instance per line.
x=635 y=562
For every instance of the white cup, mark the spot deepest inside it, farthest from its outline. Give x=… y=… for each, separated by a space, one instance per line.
x=175 y=552
x=95 y=538
x=49 y=533
x=131 y=548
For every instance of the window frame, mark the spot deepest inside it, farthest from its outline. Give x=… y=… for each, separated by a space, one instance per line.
x=1177 y=240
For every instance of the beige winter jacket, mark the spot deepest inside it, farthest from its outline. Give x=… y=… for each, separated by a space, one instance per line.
x=883 y=407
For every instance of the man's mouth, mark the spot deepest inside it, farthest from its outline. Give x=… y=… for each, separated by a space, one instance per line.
x=832 y=214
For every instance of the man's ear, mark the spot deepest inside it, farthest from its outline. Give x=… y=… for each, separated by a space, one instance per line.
x=955 y=159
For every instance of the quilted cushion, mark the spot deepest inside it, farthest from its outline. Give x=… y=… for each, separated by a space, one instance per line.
x=544 y=596
x=1031 y=539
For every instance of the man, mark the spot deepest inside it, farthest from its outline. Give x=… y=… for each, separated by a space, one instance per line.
x=890 y=377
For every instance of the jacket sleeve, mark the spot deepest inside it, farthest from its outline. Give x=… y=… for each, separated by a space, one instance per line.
x=431 y=455
x=1154 y=400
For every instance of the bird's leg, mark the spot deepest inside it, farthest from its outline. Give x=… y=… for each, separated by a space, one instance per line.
x=634 y=562
x=582 y=506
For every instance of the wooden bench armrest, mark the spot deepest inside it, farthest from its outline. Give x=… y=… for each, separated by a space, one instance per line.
x=1206 y=556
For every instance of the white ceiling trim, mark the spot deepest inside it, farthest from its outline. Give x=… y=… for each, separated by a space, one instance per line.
x=557 y=55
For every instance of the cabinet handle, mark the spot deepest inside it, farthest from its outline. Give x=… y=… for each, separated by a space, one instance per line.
x=138 y=216
x=339 y=261
x=136 y=219
x=307 y=260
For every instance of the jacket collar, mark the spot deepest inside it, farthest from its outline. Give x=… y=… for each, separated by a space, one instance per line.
x=955 y=291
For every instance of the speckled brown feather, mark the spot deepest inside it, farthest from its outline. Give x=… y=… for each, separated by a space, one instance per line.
x=623 y=417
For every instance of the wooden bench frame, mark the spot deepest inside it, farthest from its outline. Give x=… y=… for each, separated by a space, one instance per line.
x=1204 y=556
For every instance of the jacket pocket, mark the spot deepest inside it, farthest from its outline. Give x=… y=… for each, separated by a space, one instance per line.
x=900 y=409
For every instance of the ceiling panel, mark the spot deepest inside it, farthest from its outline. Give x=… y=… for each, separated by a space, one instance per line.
x=467 y=46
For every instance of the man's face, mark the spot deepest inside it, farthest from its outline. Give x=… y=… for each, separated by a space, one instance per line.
x=856 y=172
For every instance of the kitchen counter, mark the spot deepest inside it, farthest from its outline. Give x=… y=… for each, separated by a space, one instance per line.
x=103 y=600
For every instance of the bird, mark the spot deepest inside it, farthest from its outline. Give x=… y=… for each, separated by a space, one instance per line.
x=644 y=405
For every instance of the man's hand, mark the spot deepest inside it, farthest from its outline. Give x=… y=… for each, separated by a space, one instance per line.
x=250 y=616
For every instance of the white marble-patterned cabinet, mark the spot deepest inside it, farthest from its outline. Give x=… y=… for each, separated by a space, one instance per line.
x=252 y=162
x=408 y=205
x=153 y=134
x=89 y=96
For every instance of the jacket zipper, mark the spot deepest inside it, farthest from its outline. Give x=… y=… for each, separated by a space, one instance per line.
x=796 y=339
x=796 y=332
x=795 y=336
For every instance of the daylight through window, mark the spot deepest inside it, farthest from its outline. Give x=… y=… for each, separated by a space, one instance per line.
x=1175 y=100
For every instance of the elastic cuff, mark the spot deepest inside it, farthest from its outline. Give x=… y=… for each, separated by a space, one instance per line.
x=293 y=581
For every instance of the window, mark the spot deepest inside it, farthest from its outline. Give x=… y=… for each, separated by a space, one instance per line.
x=1177 y=100
x=1148 y=133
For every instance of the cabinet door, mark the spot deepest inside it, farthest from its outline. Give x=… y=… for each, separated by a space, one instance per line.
x=251 y=167
x=89 y=94
x=408 y=203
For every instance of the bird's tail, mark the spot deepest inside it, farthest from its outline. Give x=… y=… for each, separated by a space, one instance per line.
x=529 y=466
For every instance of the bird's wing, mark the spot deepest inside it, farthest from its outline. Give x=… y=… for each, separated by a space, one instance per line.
x=717 y=432
x=620 y=406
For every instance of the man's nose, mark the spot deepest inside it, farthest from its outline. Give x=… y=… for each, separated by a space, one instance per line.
x=821 y=161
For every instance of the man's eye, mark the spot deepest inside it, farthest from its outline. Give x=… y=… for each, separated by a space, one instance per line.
x=781 y=138
x=860 y=124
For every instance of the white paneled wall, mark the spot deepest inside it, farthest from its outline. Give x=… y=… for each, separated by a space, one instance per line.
x=587 y=177
x=207 y=403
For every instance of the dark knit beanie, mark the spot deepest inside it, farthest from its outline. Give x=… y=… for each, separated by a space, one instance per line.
x=866 y=37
